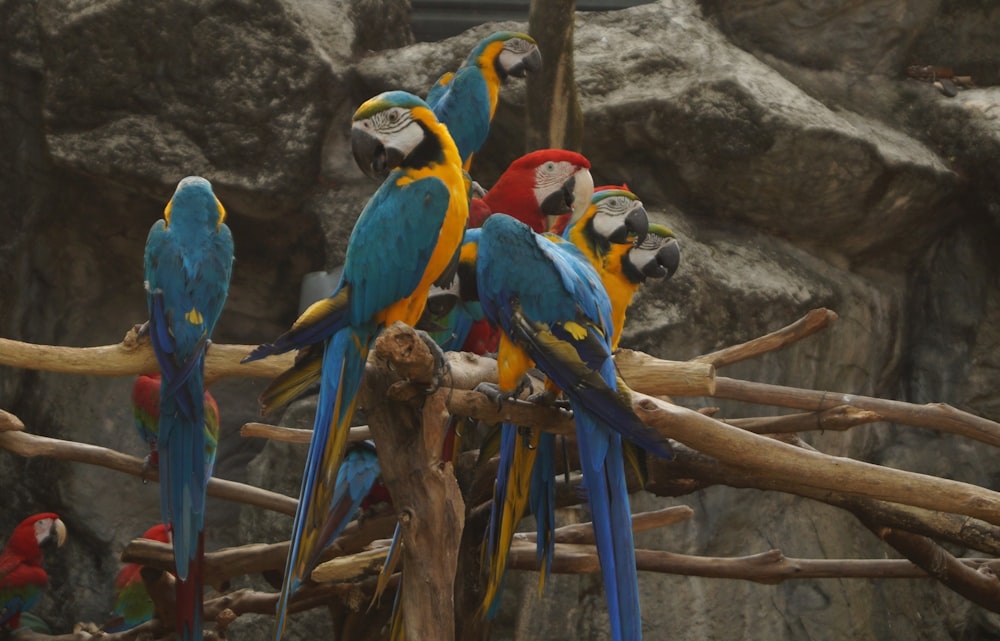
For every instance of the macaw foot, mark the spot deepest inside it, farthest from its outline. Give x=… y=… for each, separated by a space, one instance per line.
x=150 y=464
x=441 y=365
x=493 y=392
x=548 y=399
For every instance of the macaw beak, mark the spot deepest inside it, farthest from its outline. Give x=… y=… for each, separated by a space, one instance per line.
x=668 y=258
x=372 y=156
x=56 y=535
x=530 y=62
x=636 y=226
x=560 y=202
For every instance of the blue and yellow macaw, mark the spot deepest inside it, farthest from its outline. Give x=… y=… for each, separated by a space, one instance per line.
x=466 y=100
x=613 y=227
x=189 y=260
x=406 y=239
x=555 y=314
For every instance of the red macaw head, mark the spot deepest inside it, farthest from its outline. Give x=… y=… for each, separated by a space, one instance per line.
x=541 y=186
x=34 y=534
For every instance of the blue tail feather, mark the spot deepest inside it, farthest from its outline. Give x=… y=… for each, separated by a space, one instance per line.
x=611 y=516
x=343 y=368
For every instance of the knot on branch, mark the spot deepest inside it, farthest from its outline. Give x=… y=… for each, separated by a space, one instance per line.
x=405 y=353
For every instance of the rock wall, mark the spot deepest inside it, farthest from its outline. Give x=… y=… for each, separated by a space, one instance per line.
x=782 y=141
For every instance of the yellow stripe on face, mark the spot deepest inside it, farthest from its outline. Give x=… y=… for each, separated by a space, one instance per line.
x=194 y=317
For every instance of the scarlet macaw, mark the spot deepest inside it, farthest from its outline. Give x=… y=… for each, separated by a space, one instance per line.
x=406 y=238
x=553 y=311
x=466 y=100
x=22 y=577
x=132 y=603
x=189 y=261
x=146 y=412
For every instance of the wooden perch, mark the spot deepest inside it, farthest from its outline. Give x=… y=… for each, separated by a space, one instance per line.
x=814 y=321
x=644 y=521
x=424 y=490
x=935 y=416
x=31 y=445
x=778 y=461
x=841 y=417
x=227 y=563
x=294 y=434
x=692 y=470
x=768 y=567
x=9 y=422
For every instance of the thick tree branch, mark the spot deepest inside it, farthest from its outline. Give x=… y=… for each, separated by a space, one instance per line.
x=785 y=463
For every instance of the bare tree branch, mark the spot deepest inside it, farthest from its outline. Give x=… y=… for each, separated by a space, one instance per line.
x=841 y=417
x=31 y=445
x=294 y=434
x=935 y=416
x=782 y=462
x=814 y=321
x=9 y=422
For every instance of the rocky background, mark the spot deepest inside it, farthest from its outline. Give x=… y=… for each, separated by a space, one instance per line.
x=783 y=141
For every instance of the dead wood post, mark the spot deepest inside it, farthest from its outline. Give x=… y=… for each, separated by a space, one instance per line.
x=409 y=428
x=553 y=113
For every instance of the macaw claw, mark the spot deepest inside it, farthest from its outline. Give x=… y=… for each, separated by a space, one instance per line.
x=441 y=364
x=493 y=392
x=548 y=399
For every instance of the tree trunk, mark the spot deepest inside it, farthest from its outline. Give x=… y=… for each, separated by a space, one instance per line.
x=554 y=115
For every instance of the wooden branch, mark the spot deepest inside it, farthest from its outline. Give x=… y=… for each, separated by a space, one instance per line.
x=768 y=567
x=368 y=562
x=814 y=321
x=583 y=533
x=692 y=470
x=134 y=356
x=935 y=416
x=841 y=417
x=782 y=462
x=31 y=445
x=9 y=422
x=982 y=588
x=294 y=434
x=424 y=490
x=227 y=563
x=659 y=377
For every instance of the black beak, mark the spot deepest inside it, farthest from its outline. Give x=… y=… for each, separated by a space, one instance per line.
x=371 y=156
x=531 y=62
x=668 y=258
x=561 y=201
x=636 y=226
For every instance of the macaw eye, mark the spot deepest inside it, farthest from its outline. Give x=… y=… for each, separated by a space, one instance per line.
x=550 y=167
x=393 y=116
x=517 y=45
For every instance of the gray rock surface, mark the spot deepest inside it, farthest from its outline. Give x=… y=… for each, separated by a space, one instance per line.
x=782 y=141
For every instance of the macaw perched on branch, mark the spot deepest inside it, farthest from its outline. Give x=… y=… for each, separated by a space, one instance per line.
x=406 y=239
x=146 y=412
x=22 y=577
x=132 y=603
x=613 y=227
x=466 y=100
x=189 y=261
x=537 y=188
x=554 y=313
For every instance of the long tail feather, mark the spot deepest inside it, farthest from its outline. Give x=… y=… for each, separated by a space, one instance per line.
x=518 y=450
x=190 y=595
x=543 y=504
x=604 y=475
x=343 y=368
